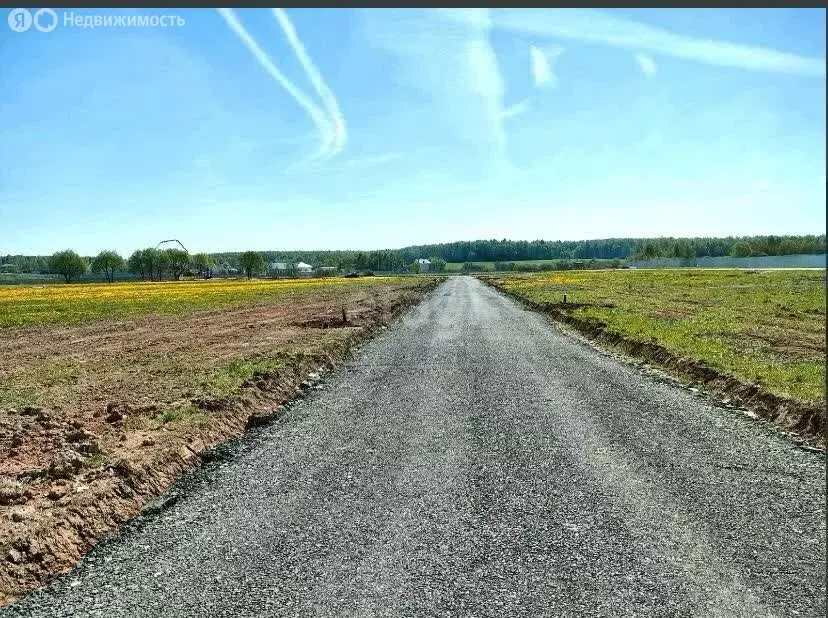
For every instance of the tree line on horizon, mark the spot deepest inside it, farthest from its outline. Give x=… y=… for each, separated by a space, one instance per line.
x=150 y=264
x=506 y=251
x=156 y=264
x=618 y=248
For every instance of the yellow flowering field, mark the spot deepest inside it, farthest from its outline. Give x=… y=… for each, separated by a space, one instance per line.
x=73 y=304
x=765 y=326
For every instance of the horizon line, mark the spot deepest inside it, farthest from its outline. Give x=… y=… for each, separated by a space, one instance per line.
x=433 y=244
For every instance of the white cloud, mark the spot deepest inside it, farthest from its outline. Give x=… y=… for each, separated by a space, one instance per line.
x=517 y=109
x=485 y=81
x=595 y=26
x=646 y=64
x=541 y=73
x=375 y=159
x=450 y=62
x=541 y=64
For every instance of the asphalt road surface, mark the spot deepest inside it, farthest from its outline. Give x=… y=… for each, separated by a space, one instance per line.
x=475 y=461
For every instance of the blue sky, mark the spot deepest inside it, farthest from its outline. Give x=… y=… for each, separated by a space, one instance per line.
x=309 y=128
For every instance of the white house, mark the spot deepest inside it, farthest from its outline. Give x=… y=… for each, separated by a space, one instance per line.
x=223 y=270
x=424 y=264
x=301 y=267
x=278 y=266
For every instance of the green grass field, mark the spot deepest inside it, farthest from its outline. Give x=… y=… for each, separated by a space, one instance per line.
x=760 y=326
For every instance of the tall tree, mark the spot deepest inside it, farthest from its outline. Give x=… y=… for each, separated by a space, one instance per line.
x=177 y=261
x=146 y=263
x=107 y=262
x=137 y=265
x=153 y=262
x=161 y=263
x=741 y=249
x=438 y=265
x=202 y=263
x=67 y=263
x=251 y=263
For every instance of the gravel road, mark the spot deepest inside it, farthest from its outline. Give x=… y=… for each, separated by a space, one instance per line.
x=473 y=460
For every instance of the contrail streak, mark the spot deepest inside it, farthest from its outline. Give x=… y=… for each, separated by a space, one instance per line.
x=316 y=114
x=340 y=132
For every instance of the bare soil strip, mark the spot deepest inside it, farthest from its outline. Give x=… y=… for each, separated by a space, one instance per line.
x=130 y=406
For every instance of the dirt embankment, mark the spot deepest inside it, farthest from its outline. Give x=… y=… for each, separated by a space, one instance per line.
x=112 y=437
x=804 y=422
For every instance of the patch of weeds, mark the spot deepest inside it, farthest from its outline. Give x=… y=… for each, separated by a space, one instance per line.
x=186 y=415
x=55 y=374
x=10 y=491
x=96 y=460
x=227 y=380
x=19 y=397
x=135 y=422
x=170 y=416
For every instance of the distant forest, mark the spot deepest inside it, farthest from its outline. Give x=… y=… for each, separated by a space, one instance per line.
x=620 y=248
x=513 y=251
x=517 y=250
